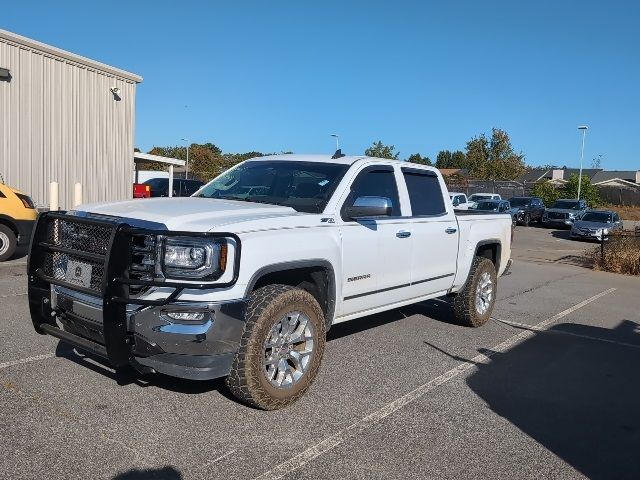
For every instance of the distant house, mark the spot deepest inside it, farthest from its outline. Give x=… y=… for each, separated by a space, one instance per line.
x=536 y=175
x=617 y=178
x=448 y=172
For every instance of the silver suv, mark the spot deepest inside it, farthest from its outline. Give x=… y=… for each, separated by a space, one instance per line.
x=563 y=212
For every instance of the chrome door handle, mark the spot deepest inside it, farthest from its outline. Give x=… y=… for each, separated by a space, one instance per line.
x=451 y=230
x=403 y=234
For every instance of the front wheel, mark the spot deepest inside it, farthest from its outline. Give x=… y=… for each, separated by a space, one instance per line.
x=473 y=305
x=281 y=347
x=527 y=220
x=8 y=243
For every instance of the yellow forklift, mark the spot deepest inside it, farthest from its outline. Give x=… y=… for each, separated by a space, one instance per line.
x=17 y=217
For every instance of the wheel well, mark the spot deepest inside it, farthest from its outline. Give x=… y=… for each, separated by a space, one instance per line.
x=318 y=281
x=9 y=223
x=491 y=251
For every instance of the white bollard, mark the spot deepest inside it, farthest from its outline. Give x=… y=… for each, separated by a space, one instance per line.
x=54 y=204
x=77 y=194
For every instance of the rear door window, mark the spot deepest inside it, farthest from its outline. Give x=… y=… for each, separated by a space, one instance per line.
x=425 y=193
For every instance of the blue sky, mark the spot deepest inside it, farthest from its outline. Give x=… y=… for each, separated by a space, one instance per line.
x=424 y=76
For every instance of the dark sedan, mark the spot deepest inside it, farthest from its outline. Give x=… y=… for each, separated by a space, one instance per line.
x=496 y=206
x=528 y=209
x=181 y=188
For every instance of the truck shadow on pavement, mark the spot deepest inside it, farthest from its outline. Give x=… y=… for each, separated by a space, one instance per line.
x=436 y=309
x=166 y=473
x=575 y=390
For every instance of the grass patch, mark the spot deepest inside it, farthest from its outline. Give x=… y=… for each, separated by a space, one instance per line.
x=625 y=211
x=621 y=255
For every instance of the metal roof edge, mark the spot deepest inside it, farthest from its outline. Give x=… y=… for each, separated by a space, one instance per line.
x=72 y=57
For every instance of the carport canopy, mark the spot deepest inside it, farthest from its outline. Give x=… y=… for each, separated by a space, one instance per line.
x=147 y=157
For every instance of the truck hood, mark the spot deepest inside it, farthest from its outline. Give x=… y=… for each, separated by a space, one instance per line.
x=189 y=213
x=583 y=224
x=563 y=210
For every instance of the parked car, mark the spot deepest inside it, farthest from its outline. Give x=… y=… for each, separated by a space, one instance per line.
x=159 y=187
x=459 y=200
x=528 y=209
x=225 y=284
x=476 y=197
x=496 y=206
x=595 y=224
x=564 y=212
x=17 y=215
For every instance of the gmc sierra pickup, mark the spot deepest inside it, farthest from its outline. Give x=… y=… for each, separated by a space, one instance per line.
x=243 y=279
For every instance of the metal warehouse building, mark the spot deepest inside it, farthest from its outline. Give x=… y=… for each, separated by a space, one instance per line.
x=64 y=118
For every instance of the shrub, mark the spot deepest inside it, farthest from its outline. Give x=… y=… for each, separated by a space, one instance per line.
x=621 y=255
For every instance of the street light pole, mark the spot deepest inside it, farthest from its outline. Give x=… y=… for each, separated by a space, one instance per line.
x=337 y=137
x=186 y=173
x=584 y=133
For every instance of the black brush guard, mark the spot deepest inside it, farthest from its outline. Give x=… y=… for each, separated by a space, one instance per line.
x=106 y=245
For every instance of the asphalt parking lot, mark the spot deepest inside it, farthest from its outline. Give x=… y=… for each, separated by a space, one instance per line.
x=548 y=389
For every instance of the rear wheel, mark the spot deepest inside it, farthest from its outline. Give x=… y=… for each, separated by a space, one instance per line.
x=8 y=242
x=281 y=347
x=474 y=304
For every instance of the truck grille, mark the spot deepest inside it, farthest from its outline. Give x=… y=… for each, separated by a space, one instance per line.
x=56 y=264
x=558 y=215
x=79 y=236
x=79 y=245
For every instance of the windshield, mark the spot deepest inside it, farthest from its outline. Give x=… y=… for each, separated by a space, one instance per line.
x=567 y=204
x=520 y=202
x=600 y=217
x=490 y=206
x=303 y=186
x=477 y=197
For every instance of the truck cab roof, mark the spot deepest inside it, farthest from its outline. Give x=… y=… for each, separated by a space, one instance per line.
x=345 y=160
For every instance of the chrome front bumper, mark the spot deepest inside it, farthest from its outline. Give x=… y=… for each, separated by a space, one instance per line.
x=198 y=350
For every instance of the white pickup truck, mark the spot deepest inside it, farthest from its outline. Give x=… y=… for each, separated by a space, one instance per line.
x=244 y=279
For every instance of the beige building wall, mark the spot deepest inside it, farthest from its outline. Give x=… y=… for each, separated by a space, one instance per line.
x=60 y=121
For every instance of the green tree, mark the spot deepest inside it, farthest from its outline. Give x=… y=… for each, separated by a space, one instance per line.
x=494 y=159
x=448 y=159
x=380 y=150
x=478 y=157
x=444 y=159
x=459 y=159
x=417 y=158
x=504 y=162
x=588 y=191
x=546 y=191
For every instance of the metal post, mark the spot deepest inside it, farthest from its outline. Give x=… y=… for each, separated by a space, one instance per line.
x=171 y=180
x=337 y=137
x=584 y=133
x=186 y=173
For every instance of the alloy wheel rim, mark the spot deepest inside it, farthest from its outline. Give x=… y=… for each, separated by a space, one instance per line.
x=288 y=350
x=484 y=293
x=4 y=243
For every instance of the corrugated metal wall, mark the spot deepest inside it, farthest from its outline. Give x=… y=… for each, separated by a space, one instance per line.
x=60 y=122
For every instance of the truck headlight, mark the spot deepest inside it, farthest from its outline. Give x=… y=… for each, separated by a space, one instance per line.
x=186 y=257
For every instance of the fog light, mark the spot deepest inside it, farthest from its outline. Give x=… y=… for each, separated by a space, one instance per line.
x=187 y=316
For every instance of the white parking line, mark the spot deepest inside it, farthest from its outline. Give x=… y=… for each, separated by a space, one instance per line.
x=26 y=360
x=564 y=332
x=333 y=441
x=13 y=295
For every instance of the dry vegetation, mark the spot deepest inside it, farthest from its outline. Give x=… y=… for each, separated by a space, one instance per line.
x=626 y=212
x=621 y=255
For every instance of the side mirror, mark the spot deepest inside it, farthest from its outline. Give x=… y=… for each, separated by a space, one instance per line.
x=456 y=201
x=370 y=207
